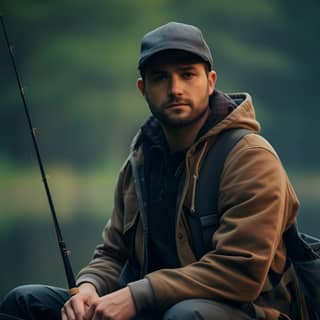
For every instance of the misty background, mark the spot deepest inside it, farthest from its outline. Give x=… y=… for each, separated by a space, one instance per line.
x=78 y=64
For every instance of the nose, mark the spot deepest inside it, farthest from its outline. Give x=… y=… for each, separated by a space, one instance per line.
x=175 y=86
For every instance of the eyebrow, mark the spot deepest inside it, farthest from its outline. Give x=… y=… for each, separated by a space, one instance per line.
x=182 y=67
x=186 y=67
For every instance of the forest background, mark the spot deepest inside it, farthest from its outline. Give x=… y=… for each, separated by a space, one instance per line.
x=77 y=61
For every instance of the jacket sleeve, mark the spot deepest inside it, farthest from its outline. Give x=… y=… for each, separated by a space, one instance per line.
x=104 y=269
x=257 y=204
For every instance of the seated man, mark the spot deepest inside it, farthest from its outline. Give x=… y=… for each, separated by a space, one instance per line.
x=147 y=266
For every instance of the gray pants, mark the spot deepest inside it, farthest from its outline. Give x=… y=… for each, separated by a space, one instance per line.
x=39 y=302
x=202 y=309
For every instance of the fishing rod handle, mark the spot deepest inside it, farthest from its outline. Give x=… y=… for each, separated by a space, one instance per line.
x=73 y=289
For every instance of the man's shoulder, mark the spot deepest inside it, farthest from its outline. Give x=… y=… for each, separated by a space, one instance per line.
x=255 y=141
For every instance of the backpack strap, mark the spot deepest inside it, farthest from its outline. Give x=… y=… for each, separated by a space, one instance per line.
x=206 y=218
x=301 y=247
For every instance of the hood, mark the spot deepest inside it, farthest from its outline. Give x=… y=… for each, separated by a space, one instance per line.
x=242 y=115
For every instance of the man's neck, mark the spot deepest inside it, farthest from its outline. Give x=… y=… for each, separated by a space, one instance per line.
x=180 y=139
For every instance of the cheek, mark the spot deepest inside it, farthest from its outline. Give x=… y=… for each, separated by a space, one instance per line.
x=152 y=100
x=203 y=90
x=155 y=94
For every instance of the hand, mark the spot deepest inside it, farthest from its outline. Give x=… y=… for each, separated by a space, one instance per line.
x=76 y=307
x=118 y=305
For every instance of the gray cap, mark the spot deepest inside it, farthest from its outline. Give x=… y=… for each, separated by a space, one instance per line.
x=174 y=36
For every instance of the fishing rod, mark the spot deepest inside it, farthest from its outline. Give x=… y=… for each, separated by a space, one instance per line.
x=73 y=289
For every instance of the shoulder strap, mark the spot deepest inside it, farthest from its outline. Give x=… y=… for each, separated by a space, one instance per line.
x=301 y=247
x=206 y=218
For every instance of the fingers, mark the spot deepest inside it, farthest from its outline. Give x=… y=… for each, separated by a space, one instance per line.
x=117 y=305
x=83 y=306
x=73 y=309
x=67 y=313
x=90 y=312
x=97 y=313
x=63 y=314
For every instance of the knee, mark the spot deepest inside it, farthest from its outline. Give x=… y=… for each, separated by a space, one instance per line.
x=198 y=309
x=19 y=296
x=184 y=310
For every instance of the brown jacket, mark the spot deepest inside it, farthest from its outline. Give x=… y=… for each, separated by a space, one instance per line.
x=257 y=204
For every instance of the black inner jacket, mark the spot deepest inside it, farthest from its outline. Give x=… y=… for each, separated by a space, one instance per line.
x=163 y=174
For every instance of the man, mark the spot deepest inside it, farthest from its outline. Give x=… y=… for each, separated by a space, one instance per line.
x=146 y=266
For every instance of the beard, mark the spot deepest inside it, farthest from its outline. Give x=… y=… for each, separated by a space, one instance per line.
x=174 y=121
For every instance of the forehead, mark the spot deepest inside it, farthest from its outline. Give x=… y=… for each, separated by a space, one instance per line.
x=172 y=58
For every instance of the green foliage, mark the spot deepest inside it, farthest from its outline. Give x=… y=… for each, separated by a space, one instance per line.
x=78 y=63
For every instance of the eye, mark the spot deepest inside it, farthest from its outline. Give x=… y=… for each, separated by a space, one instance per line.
x=158 y=77
x=188 y=75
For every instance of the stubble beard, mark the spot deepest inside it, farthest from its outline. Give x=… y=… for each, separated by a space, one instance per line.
x=176 y=122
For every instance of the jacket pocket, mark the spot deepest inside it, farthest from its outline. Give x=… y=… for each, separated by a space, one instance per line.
x=202 y=226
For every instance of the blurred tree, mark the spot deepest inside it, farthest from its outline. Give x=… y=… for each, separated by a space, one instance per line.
x=78 y=62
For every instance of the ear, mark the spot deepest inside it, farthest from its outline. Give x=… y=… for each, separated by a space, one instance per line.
x=140 y=85
x=212 y=78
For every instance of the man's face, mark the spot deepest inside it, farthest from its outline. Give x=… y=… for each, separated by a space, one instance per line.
x=177 y=89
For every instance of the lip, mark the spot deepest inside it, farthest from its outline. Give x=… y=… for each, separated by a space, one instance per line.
x=174 y=105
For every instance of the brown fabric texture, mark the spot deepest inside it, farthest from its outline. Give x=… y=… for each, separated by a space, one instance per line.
x=257 y=204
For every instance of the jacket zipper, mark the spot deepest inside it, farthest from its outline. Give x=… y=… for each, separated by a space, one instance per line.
x=195 y=179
